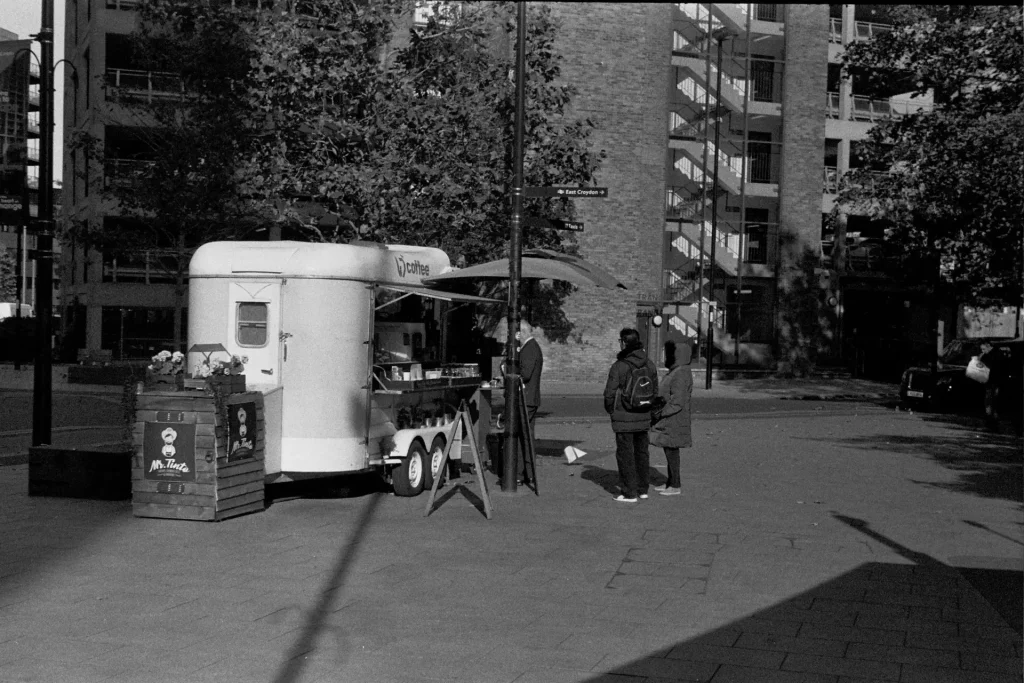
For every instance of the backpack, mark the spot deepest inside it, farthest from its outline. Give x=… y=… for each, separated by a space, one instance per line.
x=639 y=394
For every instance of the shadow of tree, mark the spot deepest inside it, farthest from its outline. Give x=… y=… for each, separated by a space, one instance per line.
x=919 y=621
x=988 y=465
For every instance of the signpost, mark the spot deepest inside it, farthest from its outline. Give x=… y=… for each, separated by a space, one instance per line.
x=553 y=224
x=560 y=191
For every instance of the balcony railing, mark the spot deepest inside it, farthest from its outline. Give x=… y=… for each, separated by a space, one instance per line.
x=866 y=30
x=832 y=105
x=146 y=85
x=148 y=267
x=830 y=180
x=122 y=4
x=766 y=12
x=835 y=30
x=123 y=172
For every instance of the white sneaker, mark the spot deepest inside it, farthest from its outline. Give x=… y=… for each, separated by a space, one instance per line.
x=661 y=488
x=622 y=499
x=671 y=491
x=644 y=496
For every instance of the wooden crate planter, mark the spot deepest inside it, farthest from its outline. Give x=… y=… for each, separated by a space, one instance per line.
x=228 y=384
x=73 y=473
x=198 y=456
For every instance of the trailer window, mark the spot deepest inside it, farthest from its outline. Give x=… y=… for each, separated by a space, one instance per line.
x=251 y=324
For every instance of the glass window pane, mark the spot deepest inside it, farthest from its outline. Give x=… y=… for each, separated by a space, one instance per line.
x=252 y=324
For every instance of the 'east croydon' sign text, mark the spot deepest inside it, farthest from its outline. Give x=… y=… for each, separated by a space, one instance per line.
x=556 y=191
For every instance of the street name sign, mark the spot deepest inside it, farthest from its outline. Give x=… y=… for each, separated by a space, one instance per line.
x=554 y=224
x=557 y=191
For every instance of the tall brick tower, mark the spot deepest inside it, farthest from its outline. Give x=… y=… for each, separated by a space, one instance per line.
x=617 y=56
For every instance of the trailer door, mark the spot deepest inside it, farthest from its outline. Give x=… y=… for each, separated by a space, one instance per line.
x=256 y=329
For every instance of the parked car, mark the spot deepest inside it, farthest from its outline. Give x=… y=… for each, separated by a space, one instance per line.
x=948 y=388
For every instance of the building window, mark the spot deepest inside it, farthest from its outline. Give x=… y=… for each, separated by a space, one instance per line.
x=251 y=324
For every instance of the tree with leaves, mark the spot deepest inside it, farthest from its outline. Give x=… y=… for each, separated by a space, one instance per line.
x=950 y=186
x=319 y=125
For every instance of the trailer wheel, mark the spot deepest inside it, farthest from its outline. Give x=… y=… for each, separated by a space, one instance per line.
x=407 y=478
x=434 y=459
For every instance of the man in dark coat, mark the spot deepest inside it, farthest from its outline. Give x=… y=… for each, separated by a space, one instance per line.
x=632 y=454
x=531 y=363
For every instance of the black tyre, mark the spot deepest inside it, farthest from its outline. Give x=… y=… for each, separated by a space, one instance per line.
x=407 y=478
x=434 y=456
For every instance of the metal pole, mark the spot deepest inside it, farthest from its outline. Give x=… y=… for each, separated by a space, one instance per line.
x=42 y=390
x=510 y=470
x=720 y=35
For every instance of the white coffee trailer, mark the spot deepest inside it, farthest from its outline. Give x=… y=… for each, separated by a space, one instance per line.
x=304 y=316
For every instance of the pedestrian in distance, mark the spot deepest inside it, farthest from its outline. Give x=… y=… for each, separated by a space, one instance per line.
x=672 y=430
x=629 y=397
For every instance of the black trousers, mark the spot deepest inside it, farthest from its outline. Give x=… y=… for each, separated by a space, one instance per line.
x=632 y=455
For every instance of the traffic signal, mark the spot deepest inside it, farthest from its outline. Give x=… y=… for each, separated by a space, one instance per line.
x=828 y=284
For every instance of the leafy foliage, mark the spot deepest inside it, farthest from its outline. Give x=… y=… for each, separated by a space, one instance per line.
x=321 y=124
x=8 y=281
x=951 y=186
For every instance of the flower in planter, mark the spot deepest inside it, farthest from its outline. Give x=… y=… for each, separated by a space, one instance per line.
x=210 y=368
x=167 y=363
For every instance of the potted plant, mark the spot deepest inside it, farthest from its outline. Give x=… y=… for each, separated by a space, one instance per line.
x=166 y=371
x=226 y=375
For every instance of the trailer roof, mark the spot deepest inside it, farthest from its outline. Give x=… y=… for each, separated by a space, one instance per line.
x=386 y=264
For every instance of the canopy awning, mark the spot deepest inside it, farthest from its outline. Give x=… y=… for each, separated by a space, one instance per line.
x=438 y=294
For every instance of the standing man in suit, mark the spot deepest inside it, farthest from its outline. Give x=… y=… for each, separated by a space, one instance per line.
x=531 y=363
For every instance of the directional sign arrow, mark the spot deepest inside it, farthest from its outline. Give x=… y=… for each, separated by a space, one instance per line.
x=553 y=224
x=558 y=191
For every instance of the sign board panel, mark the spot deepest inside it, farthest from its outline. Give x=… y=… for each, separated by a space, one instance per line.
x=554 y=224
x=169 y=452
x=559 y=191
x=241 y=431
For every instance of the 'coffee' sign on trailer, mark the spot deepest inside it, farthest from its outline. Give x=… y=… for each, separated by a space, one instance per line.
x=241 y=431
x=169 y=451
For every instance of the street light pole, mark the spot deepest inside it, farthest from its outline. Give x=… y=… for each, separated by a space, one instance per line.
x=510 y=469
x=720 y=34
x=42 y=390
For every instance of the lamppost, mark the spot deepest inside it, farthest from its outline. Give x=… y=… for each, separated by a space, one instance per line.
x=42 y=390
x=720 y=34
x=510 y=469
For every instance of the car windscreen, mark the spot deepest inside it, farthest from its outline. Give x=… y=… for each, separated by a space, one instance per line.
x=959 y=352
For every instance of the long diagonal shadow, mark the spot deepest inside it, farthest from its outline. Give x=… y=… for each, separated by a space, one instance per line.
x=979 y=525
x=291 y=669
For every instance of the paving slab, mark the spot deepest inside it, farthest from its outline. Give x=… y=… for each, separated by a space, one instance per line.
x=832 y=547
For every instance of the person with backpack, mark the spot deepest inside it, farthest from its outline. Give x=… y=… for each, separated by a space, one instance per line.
x=629 y=396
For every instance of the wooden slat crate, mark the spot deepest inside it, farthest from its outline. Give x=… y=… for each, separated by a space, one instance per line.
x=194 y=460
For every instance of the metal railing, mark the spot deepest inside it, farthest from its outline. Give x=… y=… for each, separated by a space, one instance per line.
x=874 y=110
x=830 y=180
x=766 y=12
x=832 y=105
x=866 y=30
x=123 y=172
x=149 y=267
x=135 y=84
x=835 y=30
x=122 y=4
x=699 y=13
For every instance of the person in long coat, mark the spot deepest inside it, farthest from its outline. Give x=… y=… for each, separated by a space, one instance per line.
x=672 y=431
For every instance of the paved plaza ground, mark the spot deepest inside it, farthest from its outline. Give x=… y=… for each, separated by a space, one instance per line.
x=815 y=541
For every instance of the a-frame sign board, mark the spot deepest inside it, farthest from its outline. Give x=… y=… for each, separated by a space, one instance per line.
x=462 y=418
